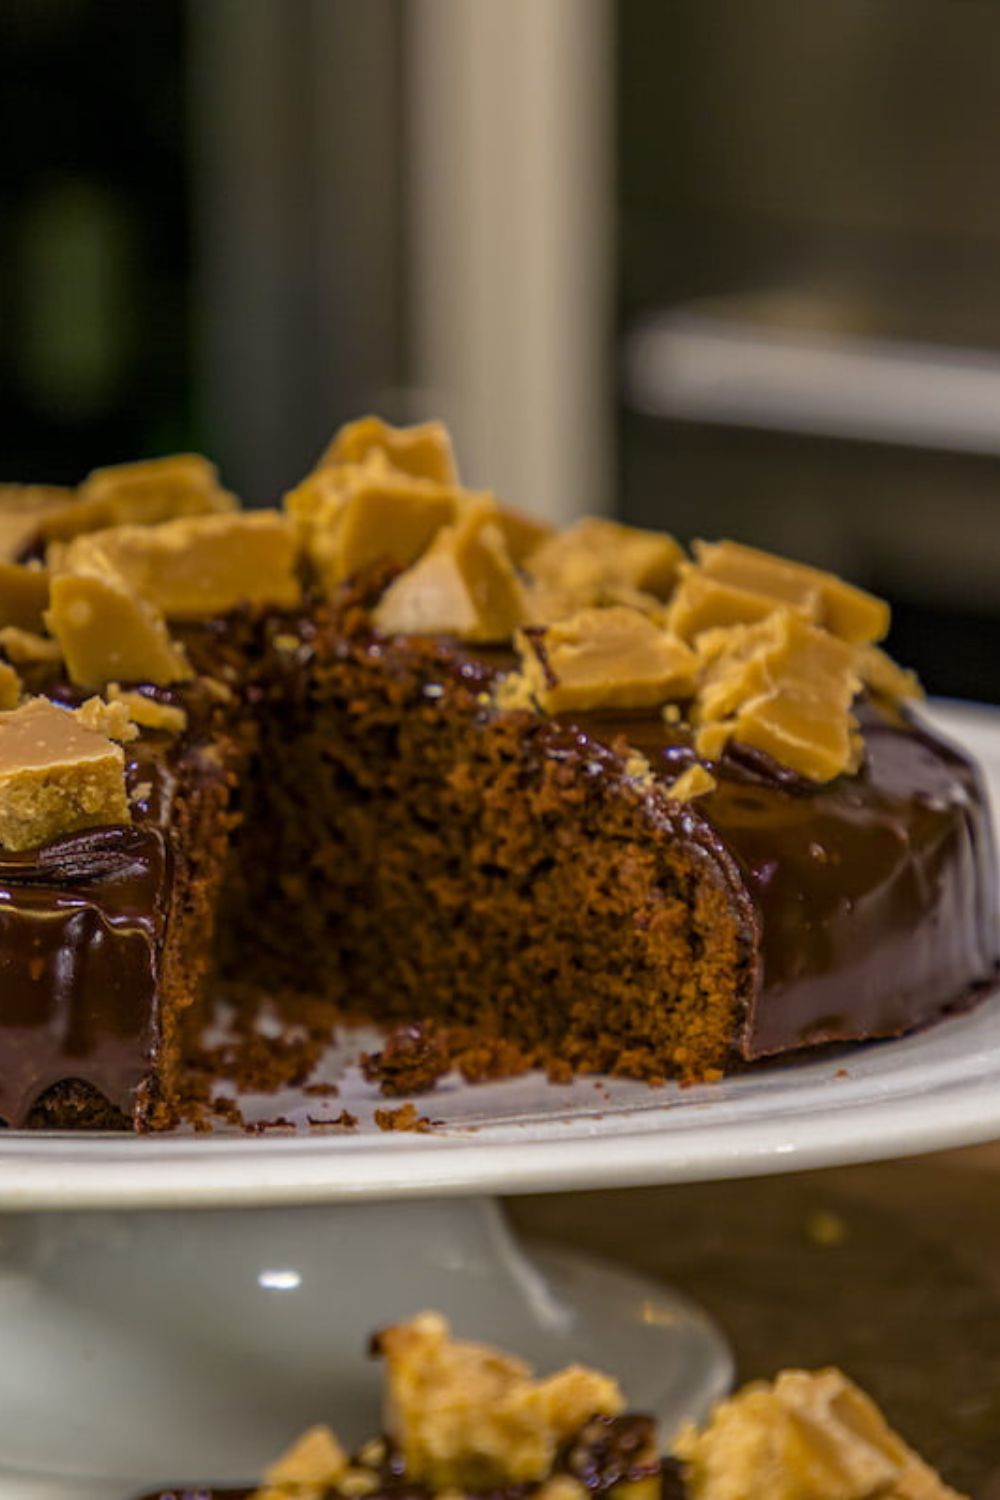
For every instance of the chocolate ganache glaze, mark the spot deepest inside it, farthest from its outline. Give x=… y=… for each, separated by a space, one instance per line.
x=874 y=897
x=83 y=922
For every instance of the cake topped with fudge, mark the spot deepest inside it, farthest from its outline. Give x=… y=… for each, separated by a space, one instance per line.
x=578 y=799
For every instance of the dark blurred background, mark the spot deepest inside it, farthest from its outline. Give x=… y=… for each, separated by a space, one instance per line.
x=724 y=268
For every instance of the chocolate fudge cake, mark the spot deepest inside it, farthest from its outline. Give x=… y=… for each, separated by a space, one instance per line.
x=465 y=1420
x=578 y=799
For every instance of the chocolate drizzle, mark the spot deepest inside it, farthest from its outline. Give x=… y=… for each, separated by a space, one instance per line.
x=874 y=896
x=80 y=935
x=82 y=926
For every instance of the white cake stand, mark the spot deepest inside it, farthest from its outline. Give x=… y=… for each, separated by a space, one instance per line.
x=196 y=1300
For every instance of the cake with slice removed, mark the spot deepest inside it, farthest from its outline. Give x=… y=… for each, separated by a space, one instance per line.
x=577 y=799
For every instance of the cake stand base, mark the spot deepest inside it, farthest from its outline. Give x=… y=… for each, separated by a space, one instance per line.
x=148 y=1348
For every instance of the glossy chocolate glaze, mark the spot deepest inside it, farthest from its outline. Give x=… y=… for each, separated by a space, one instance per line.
x=874 y=896
x=83 y=923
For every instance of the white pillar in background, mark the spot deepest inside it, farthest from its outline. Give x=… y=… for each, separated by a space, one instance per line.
x=509 y=142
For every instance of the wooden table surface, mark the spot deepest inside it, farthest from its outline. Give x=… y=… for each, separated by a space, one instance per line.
x=890 y=1271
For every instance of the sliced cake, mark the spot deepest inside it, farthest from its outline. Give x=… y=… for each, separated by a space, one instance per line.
x=578 y=799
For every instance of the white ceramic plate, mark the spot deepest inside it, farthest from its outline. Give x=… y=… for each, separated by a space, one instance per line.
x=937 y=1089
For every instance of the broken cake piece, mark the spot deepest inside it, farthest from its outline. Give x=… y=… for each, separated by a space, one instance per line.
x=463 y=1415
x=809 y=1435
x=467 y=1421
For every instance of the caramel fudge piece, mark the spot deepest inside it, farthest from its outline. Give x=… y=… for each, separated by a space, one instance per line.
x=56 y=776
x=887 y=678
x=112 y=719
x=10 y=686
x=465 y=1416
x=144 y=494
x=808 y=1436
x=782 y=652
x=24 y=595
x=701 y=603
x=802 y=734
x=784 y=687
x=843 y=609
x=197 y=566
x=423 y=451
x=139 y=493
x=605 y=658
x=692 y=783
x=105 y=632
x=522 y=534
x=371 y=514
x=313 y=1464
x=24 y=509
x=464 y=585
x=28 y=646
x=167 y=718
x=594 y=556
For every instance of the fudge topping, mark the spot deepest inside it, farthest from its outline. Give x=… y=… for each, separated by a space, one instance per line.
x=145 y=493
x=839 y=607
x=148 y=712
x=464 y=585
x=56 y=776
x=694 y=782
x=24 y=595
x=424 y=450
x=315 y=1462
x=105 y=631
x=10 y=686
x=364 y=514
x=462 y=1415
x=811 y=1435
x=24 y=509
x=781 y=686
x=196 y=566
x=605 y=658
x=595 y=556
